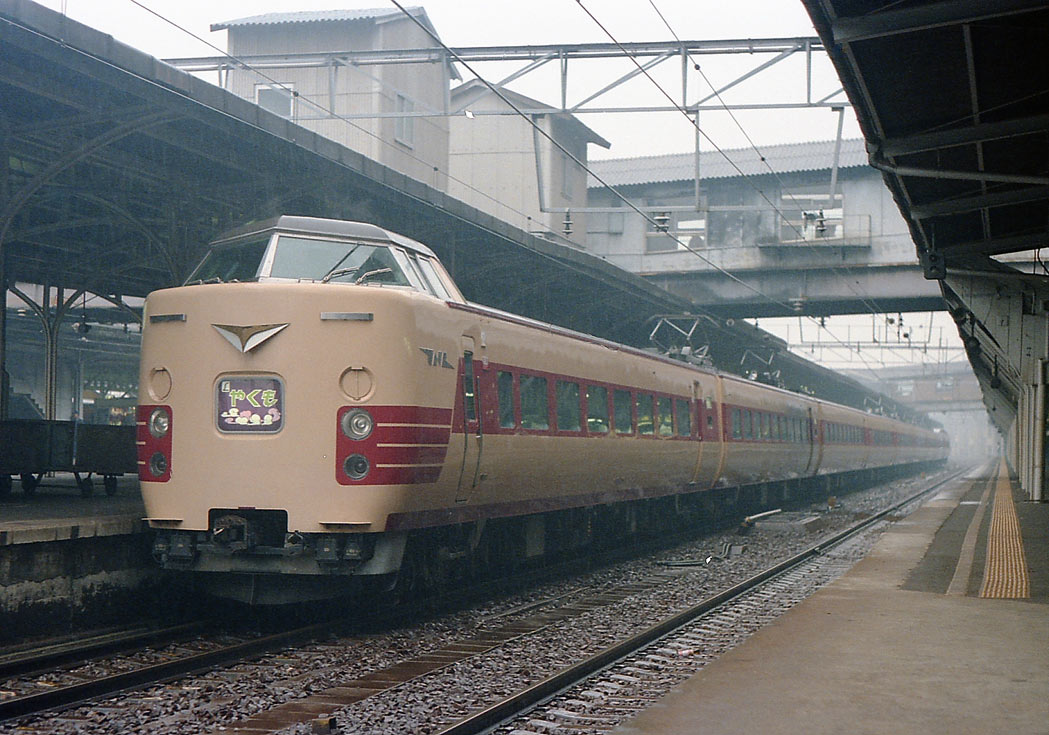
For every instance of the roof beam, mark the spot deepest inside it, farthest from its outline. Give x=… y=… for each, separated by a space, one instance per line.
x=931 y=15
x=998 y=245
x=982 y=201
x=955 y=174
x=1035 y=124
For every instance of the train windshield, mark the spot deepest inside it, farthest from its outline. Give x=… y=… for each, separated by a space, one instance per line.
x=227 y=263
x=331 y=261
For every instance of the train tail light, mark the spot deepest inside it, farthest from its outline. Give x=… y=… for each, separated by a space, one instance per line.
x=356 y=466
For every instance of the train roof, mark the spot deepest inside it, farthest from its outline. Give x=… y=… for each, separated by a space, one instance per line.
x=321 y=226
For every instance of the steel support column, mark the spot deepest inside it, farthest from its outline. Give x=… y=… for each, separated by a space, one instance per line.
x=1038 y=478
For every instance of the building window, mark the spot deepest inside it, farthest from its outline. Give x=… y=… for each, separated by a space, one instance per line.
x=404 y=126
x=277 y=98
x=566 y=176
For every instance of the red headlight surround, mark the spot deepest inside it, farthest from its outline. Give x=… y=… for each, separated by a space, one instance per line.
x=154 y=429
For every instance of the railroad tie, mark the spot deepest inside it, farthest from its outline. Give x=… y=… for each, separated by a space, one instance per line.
x=1005 y=571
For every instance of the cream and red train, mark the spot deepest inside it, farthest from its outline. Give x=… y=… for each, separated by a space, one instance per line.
x=320 y=402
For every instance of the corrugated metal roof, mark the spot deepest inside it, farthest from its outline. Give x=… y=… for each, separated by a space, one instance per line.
x=479 y=89
x=316 y=16
x=713 y=165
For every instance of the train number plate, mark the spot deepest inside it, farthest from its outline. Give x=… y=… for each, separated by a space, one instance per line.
x=250 y=404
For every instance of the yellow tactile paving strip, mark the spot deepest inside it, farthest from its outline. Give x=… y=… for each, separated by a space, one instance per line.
x=1005 y=573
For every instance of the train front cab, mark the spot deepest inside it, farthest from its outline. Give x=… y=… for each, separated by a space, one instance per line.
x=265 y=447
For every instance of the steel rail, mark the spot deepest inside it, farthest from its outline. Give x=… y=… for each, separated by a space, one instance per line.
x=61 y=697
x=511 y=707
x=40 y=658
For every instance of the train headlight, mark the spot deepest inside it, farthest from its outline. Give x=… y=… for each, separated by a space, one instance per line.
x=159 y=423
x=357 y=424
x=356 y=466
x=158 y=464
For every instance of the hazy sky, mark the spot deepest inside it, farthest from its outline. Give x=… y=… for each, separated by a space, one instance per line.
x=517 y=22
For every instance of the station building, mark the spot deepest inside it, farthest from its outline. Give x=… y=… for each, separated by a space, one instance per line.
x=392 y=113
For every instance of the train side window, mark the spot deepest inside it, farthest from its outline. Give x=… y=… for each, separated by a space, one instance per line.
x=666 y=416
x=684 y=418
x=597 y=409
x=645 y=414
x=624 y=415
x=568 y=406
x=748 y=427
x=737 y=424
x=534 y=411
x=765 y=432
x=506 y=400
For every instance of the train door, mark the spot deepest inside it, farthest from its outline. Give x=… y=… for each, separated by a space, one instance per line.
x=708 y=427
x=815 y=445
x=472 y=425
x=697 y=418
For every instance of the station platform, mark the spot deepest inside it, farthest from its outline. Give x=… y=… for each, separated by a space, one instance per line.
x=941 y=629
x=69 y=562
x=57 y=512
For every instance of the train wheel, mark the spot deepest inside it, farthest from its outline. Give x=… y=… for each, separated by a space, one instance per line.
x=5 y=485
x=30 y=482
x=110 y=484
x=84 y=483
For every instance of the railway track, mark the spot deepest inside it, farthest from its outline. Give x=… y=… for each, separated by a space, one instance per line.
x=39 y=680
x=318 y=696
x=675 y=641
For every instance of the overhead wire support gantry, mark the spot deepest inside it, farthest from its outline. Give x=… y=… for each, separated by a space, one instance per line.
x=537 y=56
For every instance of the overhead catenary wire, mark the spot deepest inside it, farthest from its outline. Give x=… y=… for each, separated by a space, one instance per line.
x=865 y=299
x=716 y=147
x=495 y=90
